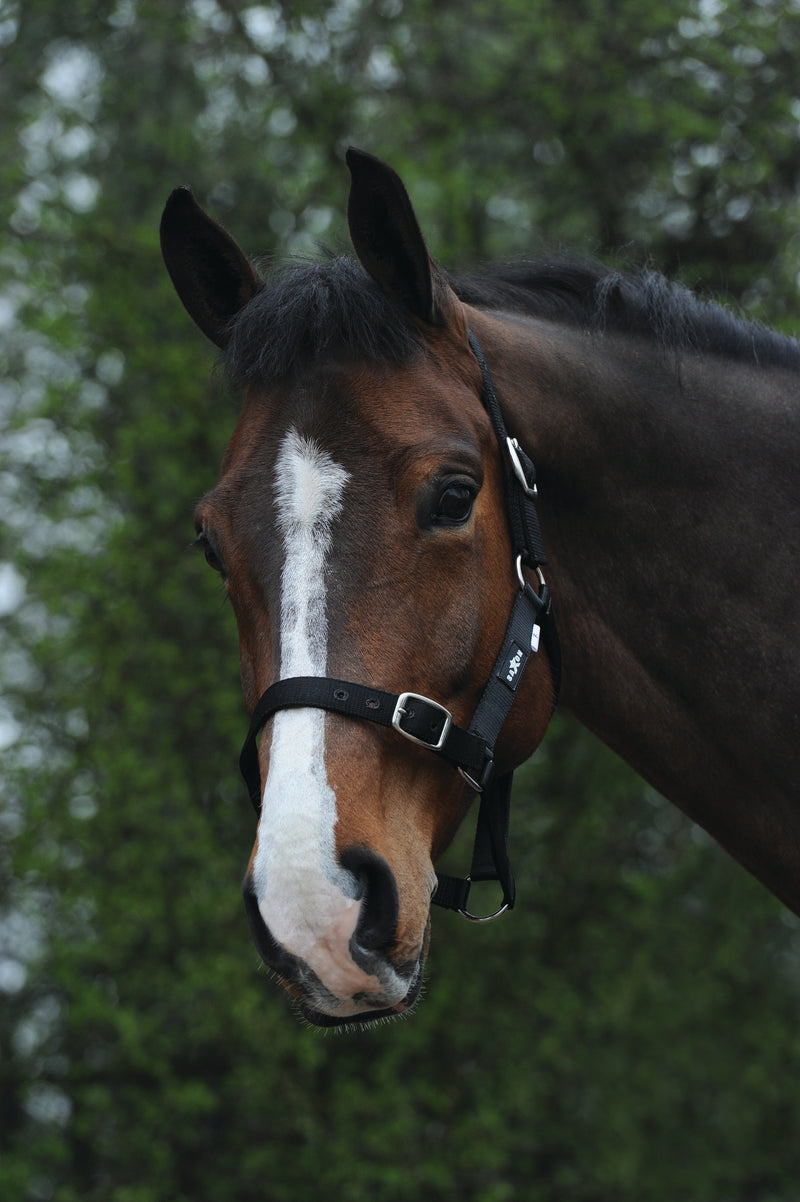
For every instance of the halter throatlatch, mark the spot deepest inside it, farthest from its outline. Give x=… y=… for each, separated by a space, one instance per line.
x=429 y=724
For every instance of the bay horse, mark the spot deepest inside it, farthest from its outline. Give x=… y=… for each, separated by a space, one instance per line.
x=364 y=525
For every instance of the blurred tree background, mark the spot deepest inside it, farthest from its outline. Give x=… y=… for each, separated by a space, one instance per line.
x=631 y=1031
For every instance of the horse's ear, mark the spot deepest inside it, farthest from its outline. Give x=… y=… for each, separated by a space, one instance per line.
x=212 y=276
x=388 y=241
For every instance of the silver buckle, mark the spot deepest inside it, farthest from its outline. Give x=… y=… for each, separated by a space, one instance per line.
x=400 y=710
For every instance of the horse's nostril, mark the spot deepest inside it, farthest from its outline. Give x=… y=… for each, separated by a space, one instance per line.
x=377 y=922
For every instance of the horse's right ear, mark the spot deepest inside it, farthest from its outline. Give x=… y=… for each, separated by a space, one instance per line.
x=212 y=276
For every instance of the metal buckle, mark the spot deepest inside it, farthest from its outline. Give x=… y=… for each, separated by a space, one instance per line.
x=519 y=471
x=400 y=710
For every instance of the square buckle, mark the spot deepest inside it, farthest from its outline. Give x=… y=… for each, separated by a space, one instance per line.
x=405 y=708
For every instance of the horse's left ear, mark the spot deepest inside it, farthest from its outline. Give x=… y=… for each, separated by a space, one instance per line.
x=388 y=241
x=212 y=276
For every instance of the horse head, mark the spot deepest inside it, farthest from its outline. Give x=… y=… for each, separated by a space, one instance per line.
x=360 y=527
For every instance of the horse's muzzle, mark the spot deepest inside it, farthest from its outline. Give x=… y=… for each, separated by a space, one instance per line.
x=365 y=982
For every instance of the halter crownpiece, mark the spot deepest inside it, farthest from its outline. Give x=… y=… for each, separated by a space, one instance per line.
x=429 y=724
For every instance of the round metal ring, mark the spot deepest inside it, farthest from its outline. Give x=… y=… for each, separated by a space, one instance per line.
x=485 y=917
x=521 y=578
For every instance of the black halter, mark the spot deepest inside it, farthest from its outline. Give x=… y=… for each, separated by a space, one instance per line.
x=429 y=724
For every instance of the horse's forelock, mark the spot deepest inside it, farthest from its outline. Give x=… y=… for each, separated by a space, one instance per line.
x=309 y=311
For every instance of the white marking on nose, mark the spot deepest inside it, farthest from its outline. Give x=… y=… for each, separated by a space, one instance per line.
x=306 y=899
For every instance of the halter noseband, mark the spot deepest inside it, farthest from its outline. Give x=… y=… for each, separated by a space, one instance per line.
x=428 y=723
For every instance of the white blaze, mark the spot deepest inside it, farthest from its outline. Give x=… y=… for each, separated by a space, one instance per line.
x=306 y=899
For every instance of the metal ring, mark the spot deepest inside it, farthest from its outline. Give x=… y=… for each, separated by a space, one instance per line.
x=485 y=917
x=473 y=784
x=521 y=578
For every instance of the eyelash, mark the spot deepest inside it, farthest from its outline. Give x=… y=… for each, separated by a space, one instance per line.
x=203 y=545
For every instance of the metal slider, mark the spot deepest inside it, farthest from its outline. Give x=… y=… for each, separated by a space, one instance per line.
x=519 y=470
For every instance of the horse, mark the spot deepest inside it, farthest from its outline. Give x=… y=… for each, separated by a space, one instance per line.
x=397 y=420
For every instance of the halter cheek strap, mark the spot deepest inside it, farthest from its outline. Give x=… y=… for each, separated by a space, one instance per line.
x=426 y=722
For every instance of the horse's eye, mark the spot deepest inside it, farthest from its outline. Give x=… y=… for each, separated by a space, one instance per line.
x=211 y=557
x=454 y=505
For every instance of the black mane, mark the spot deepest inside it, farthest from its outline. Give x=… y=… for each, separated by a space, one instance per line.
x=309 y=310
x=643 y=303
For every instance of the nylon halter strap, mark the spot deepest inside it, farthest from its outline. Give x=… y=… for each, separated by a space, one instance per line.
x=426 y=722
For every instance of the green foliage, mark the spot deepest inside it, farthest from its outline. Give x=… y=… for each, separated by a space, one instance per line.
x=630 y=1031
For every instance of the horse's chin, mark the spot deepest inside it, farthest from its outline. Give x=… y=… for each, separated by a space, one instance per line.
x=365 y=1018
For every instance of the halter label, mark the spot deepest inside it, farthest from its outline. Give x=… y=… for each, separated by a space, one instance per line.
x=513 y=664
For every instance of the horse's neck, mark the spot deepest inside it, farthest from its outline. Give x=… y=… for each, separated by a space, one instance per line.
x=669 y=509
